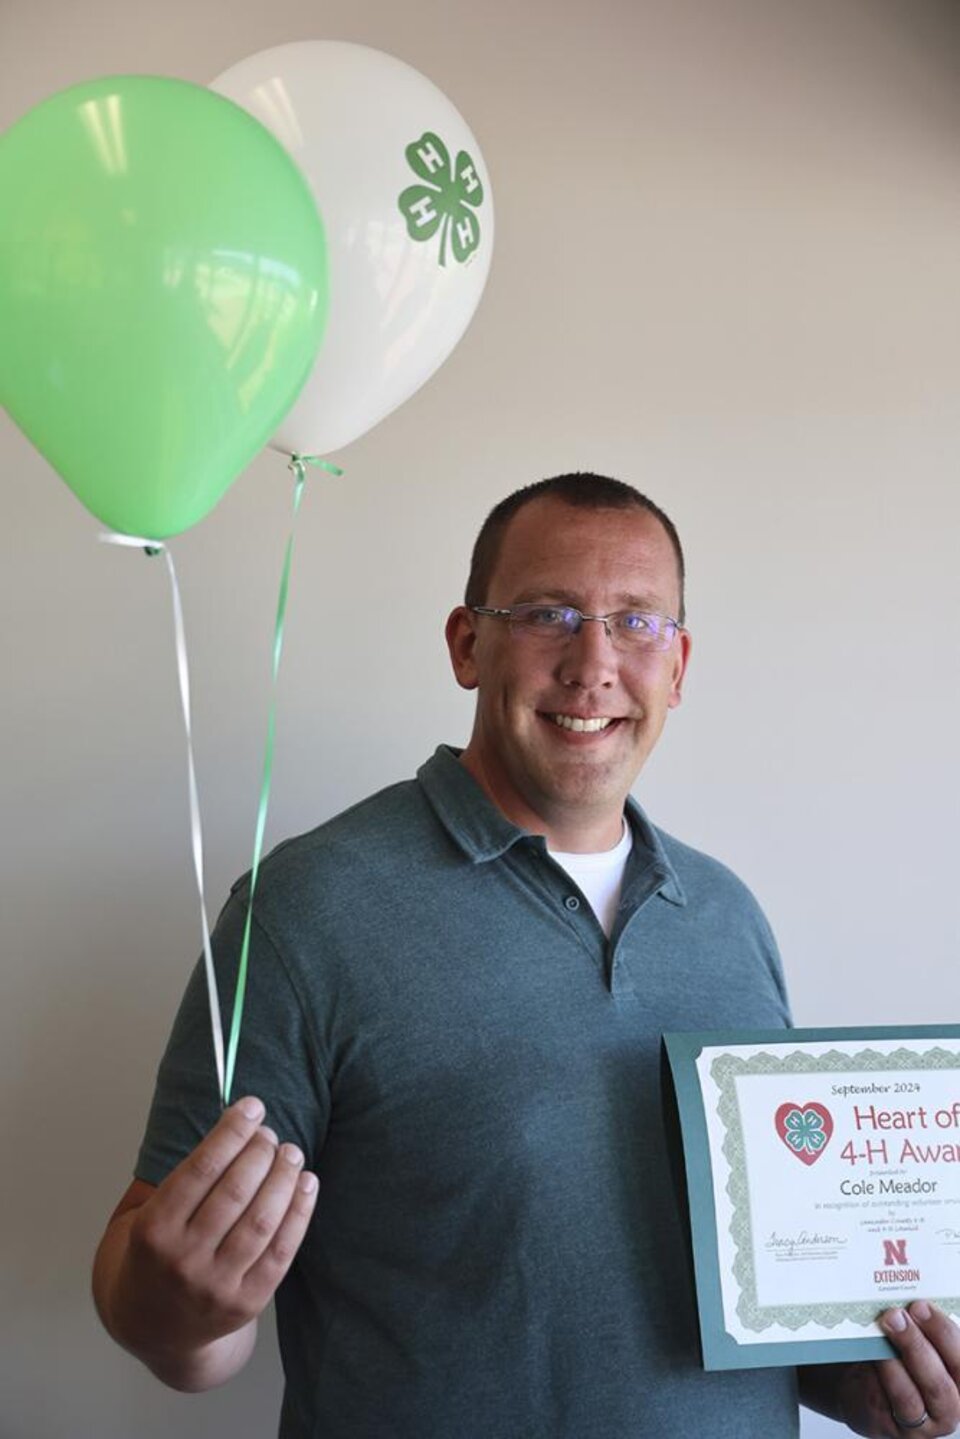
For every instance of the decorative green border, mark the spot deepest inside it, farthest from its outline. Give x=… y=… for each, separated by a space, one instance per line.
x=725 y=1071
x=720 y=1349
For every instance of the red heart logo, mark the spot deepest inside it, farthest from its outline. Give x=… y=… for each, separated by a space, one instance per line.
x=804 y=1128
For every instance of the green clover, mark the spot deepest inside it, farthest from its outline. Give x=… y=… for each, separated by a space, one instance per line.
x=446 y=201
x=804 y=1131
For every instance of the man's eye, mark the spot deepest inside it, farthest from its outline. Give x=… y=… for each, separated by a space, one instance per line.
x=548 y=617
x=636 y=621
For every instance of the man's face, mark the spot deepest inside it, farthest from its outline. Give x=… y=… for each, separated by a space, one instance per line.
x=550 y=779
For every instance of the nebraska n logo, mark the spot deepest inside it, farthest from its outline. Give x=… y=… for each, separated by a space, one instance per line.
x=895 y=1253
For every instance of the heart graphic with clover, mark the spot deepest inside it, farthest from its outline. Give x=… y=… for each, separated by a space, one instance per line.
x=448 y=199
x=804 y=1128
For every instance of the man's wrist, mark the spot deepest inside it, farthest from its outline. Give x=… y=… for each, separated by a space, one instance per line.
x=193 y=1371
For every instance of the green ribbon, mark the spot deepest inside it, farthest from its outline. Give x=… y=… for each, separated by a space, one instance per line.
x=298 y=466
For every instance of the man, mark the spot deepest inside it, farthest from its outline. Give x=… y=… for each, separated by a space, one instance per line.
x=456 y=996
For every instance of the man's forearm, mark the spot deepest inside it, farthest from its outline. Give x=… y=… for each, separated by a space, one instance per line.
x=127 y=1319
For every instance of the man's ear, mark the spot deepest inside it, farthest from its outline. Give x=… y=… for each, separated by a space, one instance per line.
x=681 y=660
x=461 y=636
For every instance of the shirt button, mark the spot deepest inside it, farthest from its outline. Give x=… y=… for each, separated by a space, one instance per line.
x=572 y=902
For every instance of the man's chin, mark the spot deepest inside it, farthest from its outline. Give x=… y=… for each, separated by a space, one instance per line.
x=588 y=783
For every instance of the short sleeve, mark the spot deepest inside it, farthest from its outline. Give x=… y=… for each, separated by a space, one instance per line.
x=278 y=1057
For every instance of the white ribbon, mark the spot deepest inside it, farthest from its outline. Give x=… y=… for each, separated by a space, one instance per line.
x=196 y=834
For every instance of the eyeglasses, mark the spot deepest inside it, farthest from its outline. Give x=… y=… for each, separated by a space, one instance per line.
x=628 y=629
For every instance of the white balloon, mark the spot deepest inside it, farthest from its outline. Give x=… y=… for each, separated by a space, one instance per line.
x=405 y=200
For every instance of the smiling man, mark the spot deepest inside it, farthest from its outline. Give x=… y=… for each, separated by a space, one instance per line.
x=568 y=709
x=455 y=1001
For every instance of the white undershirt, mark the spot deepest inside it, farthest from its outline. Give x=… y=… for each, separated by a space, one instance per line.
x=600 y=876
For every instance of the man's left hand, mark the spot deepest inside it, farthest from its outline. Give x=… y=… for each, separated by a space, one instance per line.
x=916 y=1394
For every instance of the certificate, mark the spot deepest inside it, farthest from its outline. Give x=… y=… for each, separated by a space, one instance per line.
x=823 y=1181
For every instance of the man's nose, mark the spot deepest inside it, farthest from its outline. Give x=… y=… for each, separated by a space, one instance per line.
x=590 y=659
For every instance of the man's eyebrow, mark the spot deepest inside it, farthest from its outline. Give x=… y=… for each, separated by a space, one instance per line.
x=545 y=592
x=550 y=595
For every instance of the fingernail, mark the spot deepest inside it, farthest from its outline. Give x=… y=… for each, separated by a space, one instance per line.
x=269 y=1133
x=921 y=1310
x=291 y=1154
x=895 y=1321
x=308 y=1183
x=251 y=1108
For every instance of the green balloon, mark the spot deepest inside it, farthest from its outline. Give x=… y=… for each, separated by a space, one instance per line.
x=163 y=293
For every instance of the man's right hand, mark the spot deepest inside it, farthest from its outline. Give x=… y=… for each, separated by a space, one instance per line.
x=184 y=1269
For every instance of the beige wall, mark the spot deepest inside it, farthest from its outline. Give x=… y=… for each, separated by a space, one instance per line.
x=726 y=270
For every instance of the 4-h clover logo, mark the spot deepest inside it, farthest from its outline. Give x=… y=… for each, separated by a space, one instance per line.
x=446 y=202
x=804 y=1128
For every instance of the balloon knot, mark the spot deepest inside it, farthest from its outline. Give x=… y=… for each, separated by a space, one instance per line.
x=298 y=464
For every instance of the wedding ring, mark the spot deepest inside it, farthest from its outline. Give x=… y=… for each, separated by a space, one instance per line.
x=909 y=1423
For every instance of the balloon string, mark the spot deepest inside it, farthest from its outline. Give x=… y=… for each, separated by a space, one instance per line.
x=156 y=547
x=297 y=465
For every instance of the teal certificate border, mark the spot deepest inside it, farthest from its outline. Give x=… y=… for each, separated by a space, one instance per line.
x=720 y=1349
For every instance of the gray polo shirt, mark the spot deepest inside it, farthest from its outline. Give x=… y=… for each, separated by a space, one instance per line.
x=435 y=1015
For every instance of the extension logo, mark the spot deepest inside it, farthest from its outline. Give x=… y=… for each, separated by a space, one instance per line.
x=896 y=1266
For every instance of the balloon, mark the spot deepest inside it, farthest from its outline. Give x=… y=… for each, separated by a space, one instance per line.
x=409 y=216
x=163 y=292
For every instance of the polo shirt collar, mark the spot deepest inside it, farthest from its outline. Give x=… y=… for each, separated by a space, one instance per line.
x=463 y=809
x=479 y=829
x=649 y=849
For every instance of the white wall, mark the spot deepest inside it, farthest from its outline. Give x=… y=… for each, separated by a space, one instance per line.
x=726 y=271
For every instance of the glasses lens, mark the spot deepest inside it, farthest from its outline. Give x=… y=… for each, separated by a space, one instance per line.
x=641 y=630
x=545 y=621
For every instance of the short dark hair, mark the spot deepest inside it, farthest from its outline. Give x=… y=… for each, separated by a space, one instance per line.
x=581 y=488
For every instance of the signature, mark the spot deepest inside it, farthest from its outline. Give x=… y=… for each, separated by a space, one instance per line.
x=949 y=1233
x=803 y=1240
